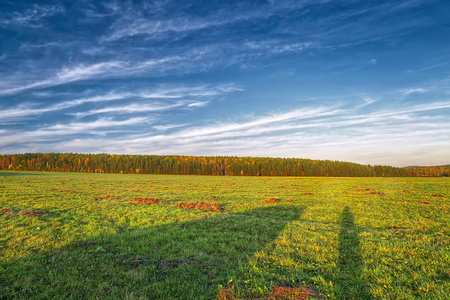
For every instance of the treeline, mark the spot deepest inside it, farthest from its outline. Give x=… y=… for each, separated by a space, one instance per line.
x=435 y=171
x=192 y=165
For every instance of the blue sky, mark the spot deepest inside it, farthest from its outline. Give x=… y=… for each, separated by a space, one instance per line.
x=359 y=81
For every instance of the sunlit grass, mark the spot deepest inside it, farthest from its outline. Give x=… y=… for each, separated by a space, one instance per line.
x=346 y=238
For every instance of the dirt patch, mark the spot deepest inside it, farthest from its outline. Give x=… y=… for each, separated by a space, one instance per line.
x=168 y=264
x=270 y=200
x=31 y=213
x=225 y=294
x=106 y=197
x=67 y=191
x=276 y=293
x=376 y=193
x=139 y=200
x=399 y=229
x=5 y=210
x=299 y=293
x=206 y=205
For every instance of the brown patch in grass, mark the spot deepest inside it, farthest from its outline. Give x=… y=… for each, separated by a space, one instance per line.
x=211 y=197
x=5 y=210
x=437 y=195
x=307 y=193
x=399 y=229
x=288 y=200
x=167 y=264
x=26 y=185
x=67 y=191
x=282 y=187
x=376 y=193
x=140 y=200
x=225 y=294
x=299 y=293
x=31 y=213
x=424 y=202
x=270 y=200
x=276 y=293
x=206 y=205
x=344 y=192
x=405 y=191
x=107 y=197
x=362 y=190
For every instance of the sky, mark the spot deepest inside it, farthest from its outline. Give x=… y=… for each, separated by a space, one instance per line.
x=360 y=81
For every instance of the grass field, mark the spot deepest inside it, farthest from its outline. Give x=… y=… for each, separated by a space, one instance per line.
x=331 y=238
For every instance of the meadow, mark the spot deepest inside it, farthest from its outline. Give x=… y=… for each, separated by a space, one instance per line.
x=78 y=236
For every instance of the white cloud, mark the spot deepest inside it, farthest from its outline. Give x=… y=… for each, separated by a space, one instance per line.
x=198 y=104
x=322 y=133
x=369 y=100
x=131 y=108
x=33 y=16
x=407 y=92
x=160 y=93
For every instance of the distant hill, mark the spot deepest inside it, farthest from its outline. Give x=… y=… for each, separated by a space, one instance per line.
x=192 y=165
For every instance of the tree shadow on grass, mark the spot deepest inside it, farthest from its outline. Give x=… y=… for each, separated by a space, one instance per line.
x=180 y=260
x=351 y=264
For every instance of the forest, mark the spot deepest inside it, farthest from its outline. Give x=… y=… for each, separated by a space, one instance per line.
x=205 y=165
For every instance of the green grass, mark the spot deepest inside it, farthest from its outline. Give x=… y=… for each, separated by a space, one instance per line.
x=345 y=244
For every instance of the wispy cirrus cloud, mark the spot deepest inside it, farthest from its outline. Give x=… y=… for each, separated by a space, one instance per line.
x=187 y=96
x=306 y=132
x=29 y=109
x=104 y=70
x=33 y=16
x=132 y=108
x=407 y=92
x=56 y=132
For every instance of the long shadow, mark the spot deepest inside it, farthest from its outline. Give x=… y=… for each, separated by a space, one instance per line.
x=351 y=264
x=180 y=260
x=5 y=173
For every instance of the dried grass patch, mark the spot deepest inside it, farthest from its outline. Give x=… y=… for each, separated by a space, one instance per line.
x=399 y=229
x=299 y=293
x=168 y=264
x=106 y=197
x=276 y=293
x=31 y=213
x=370 y=191
x=140 y=200
x=206 y=205
x=5 y=210
x=376 y=193
x=270 y=200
